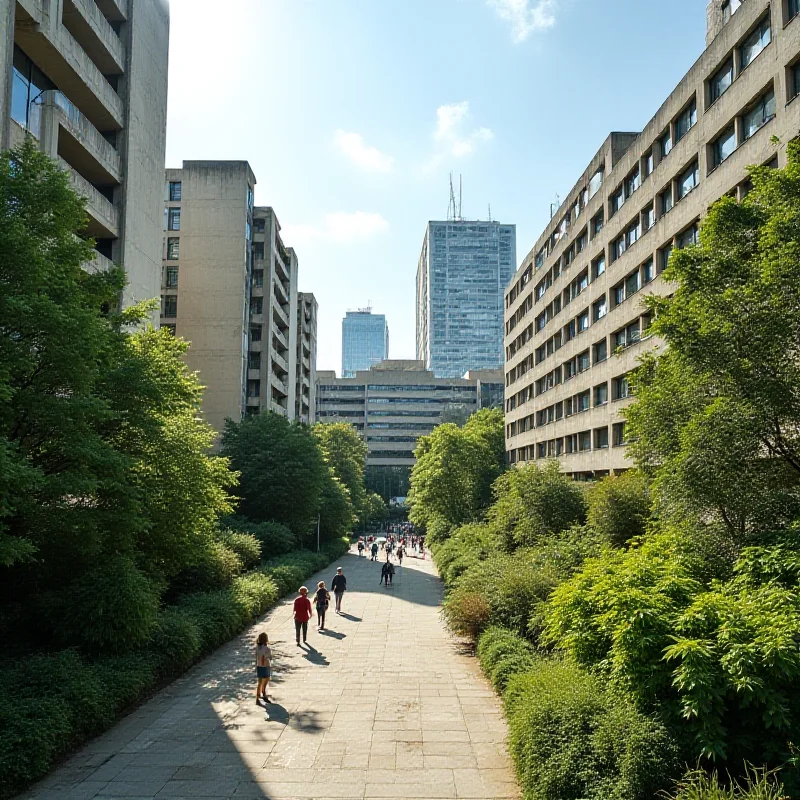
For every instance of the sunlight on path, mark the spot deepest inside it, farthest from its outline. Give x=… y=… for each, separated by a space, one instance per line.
x=384 y=705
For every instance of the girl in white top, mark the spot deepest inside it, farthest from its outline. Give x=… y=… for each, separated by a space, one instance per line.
x=263 y=667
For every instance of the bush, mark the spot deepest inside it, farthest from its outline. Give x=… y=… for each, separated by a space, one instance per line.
x=758 y=784
x=175 y=642
x=245 y=545
x=111 y=608
x=619 y=507
x=215 y=568
x=503 y=654
x=275 y=539
x=467 y=613
x=572 y=740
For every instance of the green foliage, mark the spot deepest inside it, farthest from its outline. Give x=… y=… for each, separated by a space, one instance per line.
x=503 y=654
x=245 y=545
x=214 y=567
x=757 y=784
x=533 y=503
x=375 y=509
x=573 y=740
x=176 y=642
x=282 y=471
x=619 y=507
x=275 y=539
x=336 y=512
x=451 y=481
x=345 y=453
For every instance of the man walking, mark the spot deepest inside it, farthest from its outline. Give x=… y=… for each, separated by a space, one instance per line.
x=302 y=613
x=374 y=551
x=385 y=573
x=339 y=585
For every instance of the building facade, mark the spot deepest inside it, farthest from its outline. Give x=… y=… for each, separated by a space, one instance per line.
x=88 y=79
x=575 y=323
x=463 y=270
x=229 y=287
x=393 y=403
x=365 y=341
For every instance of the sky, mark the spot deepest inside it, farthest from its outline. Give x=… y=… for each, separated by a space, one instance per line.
x=353 y=114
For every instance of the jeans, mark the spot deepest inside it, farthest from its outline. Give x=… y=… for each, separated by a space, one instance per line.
x=298 y=626
x=338 y=596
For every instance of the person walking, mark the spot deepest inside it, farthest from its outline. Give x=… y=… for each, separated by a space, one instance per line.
x=339 y=586
x=385 y=574
x=321 y=601
x=400 y=554
x=391 y=572
x=360 y=548
x=263 y=668
x=374 y=551
x=302 y=613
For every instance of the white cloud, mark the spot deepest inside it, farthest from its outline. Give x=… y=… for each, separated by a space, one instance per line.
x=526 y=16
x=364 y=156
x=451 y=134
x=339 y=227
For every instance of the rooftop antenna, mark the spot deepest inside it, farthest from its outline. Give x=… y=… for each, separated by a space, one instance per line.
x=555 y=206
x=490 y=212
x=459 y=198
x=451 y=207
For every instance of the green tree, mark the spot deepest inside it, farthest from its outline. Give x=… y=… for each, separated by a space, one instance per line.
x=282 y=471
x=375 y=509
x=716 y=421
x=619 y=507
x=345 y=453
x=335 y=508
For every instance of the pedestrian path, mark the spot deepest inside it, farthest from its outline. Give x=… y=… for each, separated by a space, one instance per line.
x=383 y=705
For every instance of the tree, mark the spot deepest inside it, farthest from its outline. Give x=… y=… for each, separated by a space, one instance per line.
x=345 y=453
x=282 y=471
x=619 y=507
x=335 y=508
x=375 y=509
x=716 y=421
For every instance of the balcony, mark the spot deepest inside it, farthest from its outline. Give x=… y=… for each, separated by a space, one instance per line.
x=99 y=263
x=279 y=387
x=79 y=142
x=280 y=292
x=86 y=22
x=279 y=315
x=279 y=337
x=115 y=10
x=280 y=361
x=103 y=214
x=280 y=267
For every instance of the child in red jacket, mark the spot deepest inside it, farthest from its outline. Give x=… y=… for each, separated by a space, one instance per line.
x=302 y=614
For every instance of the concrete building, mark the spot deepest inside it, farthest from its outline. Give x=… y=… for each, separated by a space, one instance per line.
x=230 y=288
x=393 y=403
x=365 y=341
x=88 y=79
x=575 y=324
x=463 y=270
x=306 y=383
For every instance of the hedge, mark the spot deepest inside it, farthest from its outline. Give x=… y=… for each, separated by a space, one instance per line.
x=52 y=702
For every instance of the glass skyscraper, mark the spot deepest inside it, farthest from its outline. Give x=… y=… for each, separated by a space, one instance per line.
x=365 y=341
x=462 y=275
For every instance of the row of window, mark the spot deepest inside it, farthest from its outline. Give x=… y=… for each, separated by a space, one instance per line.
x=582 y=442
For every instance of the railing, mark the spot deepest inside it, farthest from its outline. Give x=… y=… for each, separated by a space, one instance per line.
x=107 y=212
x=94 y=16
x=81 y=128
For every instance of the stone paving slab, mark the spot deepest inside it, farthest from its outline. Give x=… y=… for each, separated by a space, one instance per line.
x=384 y=704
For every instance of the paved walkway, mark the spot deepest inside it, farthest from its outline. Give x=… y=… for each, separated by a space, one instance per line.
x=384 y=705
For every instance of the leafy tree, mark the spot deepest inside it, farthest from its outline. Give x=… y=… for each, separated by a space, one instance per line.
x=533 y=503
x=345 y=453
x=619 y=507
x=335 y=509
x=375 y=509
x=282 y=471
x=717 y=416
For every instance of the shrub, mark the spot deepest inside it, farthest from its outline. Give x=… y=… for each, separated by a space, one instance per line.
x=245 y=545
x=757 y=784
x=287 y=577
x=175 y=642
x=467 y=613
x=110 y=608
x=503 y=654
x=572 y=740
x=215 y=568
x=275 y=539
x=619 y=507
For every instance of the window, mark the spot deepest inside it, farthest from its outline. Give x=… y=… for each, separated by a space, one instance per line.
x=760 y=114
x=170 y=305
x=618 y=434
x=688 y=180
x=621 y=388
x=258 y=278
x=253 y=388
x=597 y=223
x=648 y=218
x=258 y=250
x=173 y=219
x=582 y=401
x=596 y=182
x=729 y=7
x=600 y=438
x=721 y=80
x=792 y=9
x=647 y=271
x=618 y=293
x=598 y=267
x=665 y=143
x=632 y=234
x=583 y=361
x=685 y=121
x=254 y=361
x=632 y=182
x=615 y=202
x=647 y=163
x=633 y=332
x=632 y=283
x=580 y=243
x=174 y=191
x=617 y=247
x=601 y=394
x=260 y=225
x=663 y=257
x=599 y=309
x=585 y=440
x=257 y=305
x=570 y=369
x=171 y=277
x=583 y=321
x=255 y=333
x=723 y=146
x=173 y=248
x=794 y=77
x=689 y=236
x=600 y=351
x=665 y=201
x=754 y=43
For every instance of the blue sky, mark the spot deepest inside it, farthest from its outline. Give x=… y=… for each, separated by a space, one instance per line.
x=353 y=113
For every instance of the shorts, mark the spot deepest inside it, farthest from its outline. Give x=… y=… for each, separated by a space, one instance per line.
x=263 y=672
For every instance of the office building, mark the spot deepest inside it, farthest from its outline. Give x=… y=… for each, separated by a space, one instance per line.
x=575 y=324
x=393 y=403
x=230 y=289
x=365 y=341
x=88 y=79
x=463 y=271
